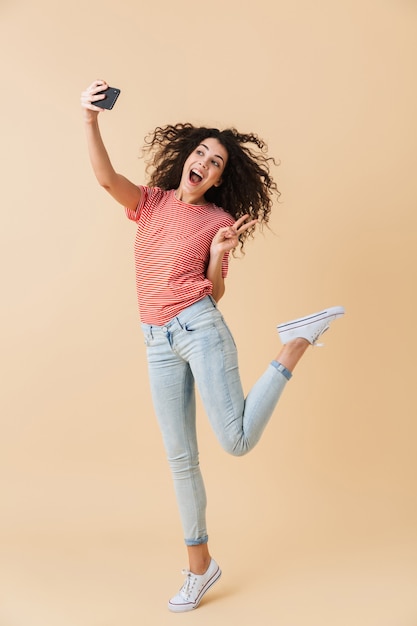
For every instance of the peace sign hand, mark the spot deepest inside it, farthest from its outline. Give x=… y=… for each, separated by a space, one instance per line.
x=227 y=238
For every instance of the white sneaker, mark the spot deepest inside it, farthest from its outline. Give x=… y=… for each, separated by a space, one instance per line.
x=310 y=327
x=194 y=588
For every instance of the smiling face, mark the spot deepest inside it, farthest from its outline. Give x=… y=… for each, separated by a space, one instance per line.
x=202 y=170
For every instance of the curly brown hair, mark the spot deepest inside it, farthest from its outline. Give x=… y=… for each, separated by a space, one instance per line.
x=247 y=186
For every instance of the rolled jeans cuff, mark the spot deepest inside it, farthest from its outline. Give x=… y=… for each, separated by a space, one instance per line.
x=196 y=542
x=284 y=371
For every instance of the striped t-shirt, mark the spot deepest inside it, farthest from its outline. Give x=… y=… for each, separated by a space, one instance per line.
x=172 y=250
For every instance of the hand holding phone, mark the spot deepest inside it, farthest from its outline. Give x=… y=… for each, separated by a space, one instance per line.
x=111 y=95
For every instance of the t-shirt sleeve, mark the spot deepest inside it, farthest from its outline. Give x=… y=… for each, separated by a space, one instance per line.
x=148 y=194
x=133 y=214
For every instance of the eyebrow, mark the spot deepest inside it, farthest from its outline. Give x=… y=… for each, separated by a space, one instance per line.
x=216 y=155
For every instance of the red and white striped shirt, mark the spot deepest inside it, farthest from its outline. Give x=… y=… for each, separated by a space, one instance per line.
x=172 y=250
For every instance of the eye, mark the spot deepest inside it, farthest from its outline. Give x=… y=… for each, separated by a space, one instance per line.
x=199 y=152
x=215 y=163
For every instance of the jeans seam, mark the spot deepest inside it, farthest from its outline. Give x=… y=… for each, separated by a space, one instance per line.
x=197 y=512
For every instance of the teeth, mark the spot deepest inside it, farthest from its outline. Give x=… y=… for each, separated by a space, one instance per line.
x=197 y=172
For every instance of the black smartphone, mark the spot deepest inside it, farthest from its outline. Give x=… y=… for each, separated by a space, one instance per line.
x=111 y=93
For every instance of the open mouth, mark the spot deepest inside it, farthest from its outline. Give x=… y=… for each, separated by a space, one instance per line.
x=195 y=177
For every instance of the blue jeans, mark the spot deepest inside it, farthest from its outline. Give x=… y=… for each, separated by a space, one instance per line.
x=197 y=348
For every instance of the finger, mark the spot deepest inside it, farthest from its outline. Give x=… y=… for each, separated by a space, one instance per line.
x=97 y=85
x=100 y=96
x=240 y=221
x=91 y=107
x=87 y=104
x=92 y=94
x=230 y=233
x=89 y=94
x=246 y=226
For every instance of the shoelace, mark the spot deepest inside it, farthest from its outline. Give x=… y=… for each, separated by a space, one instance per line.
x=189 y=583
x=319 y=333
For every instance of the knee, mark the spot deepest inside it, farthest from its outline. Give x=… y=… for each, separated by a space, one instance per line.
x=183 y=464
x=236 y=448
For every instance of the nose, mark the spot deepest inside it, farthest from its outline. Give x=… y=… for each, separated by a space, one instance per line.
x=203 y=162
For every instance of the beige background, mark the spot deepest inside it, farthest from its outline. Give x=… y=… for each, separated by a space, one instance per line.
x=317 y=526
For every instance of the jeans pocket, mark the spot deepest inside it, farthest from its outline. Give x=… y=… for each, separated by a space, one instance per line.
x=202 y=321
x=147 y=334
x=211 y=327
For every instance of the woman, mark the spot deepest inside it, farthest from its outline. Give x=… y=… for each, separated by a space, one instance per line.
x=207 y=192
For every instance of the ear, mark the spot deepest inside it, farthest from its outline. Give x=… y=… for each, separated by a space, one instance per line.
x=219 y=182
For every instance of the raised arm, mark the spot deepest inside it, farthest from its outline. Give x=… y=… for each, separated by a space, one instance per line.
x=122 y=189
